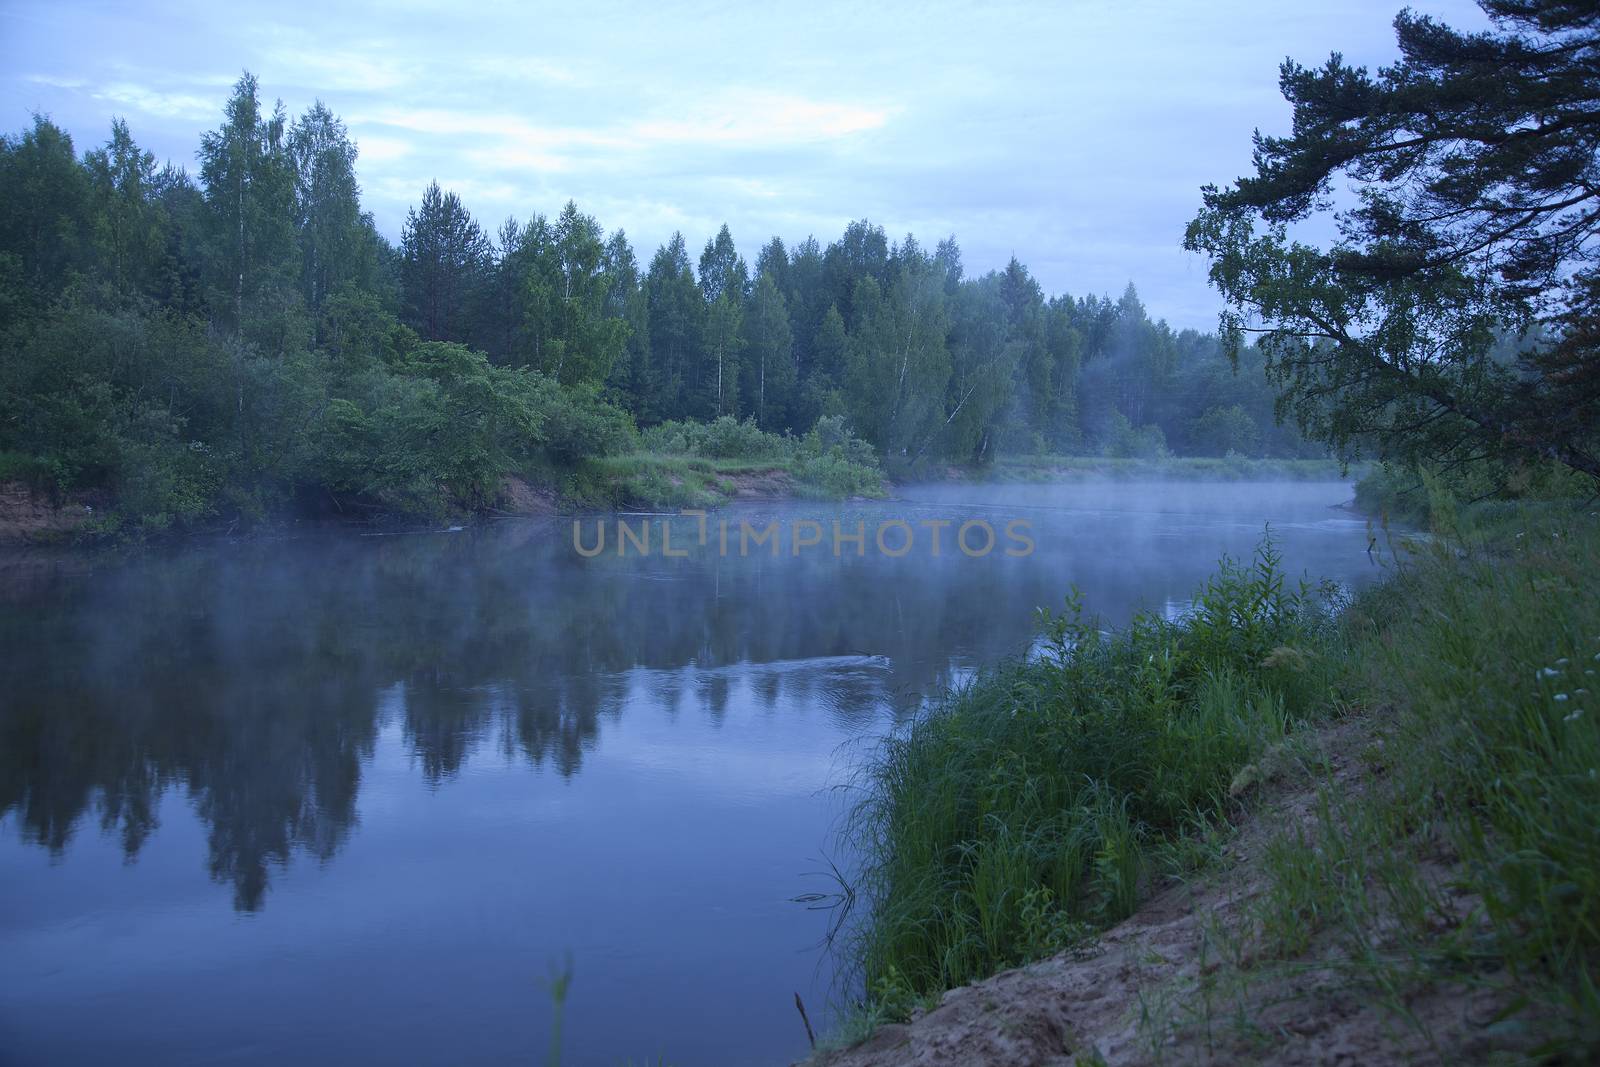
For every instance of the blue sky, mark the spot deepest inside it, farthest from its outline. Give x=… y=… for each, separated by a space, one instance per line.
x=1073 y=135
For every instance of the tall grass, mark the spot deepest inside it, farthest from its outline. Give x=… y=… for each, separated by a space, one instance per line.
x=694 y=464
x=1484 y=657
x=1028 y=808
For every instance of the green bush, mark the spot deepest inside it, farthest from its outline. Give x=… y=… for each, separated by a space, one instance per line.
x=1410 y=495
x=722 y=438
x=1126 y=441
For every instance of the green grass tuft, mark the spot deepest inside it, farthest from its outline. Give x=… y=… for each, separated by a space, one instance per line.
x=1030 y=808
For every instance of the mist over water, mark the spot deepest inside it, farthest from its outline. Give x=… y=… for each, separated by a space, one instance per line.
x=344 y=795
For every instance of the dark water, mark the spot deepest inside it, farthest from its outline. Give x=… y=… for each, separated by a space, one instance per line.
x=342 y=797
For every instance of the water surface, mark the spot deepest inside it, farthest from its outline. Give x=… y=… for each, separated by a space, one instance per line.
x=340 y=797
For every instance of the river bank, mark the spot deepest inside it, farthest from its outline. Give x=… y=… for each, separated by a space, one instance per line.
x=644 y=480
x=1386 y=853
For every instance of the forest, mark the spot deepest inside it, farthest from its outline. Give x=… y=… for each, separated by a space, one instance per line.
x=241 y=342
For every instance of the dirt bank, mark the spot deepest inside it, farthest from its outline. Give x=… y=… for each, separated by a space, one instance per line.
x=519 y=497
x=29 y=517
x=1184 y=981
x=775 y=484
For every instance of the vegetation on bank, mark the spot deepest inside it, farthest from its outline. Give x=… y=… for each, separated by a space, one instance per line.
x=1040 y=803
x=242 y=342
x=1420 y=495
x=1230 y=468
x=695 y=464
x=1450 y=331
x=1470 y=858
x=1033 y=806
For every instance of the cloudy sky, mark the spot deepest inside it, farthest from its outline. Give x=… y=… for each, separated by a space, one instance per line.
x=1073 y=135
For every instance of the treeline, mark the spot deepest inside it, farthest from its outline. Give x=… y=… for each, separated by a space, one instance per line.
x=234 y=339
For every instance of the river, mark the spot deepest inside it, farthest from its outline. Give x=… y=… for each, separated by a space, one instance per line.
x=338 y=797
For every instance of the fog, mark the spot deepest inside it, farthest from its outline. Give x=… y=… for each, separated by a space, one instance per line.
x=304 y=785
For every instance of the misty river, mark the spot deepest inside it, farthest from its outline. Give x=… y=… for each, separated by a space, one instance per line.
x=345 y=796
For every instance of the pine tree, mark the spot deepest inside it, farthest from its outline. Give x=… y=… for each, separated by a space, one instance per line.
x=722 y=270
x=444 y=261
x=677 y=315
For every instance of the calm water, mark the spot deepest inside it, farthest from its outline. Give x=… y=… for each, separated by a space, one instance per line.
x=349 y=796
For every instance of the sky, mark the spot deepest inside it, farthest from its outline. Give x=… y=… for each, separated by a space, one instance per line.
x=1074 y=136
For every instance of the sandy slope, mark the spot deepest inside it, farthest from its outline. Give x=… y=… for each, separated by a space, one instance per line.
x=1178 y=981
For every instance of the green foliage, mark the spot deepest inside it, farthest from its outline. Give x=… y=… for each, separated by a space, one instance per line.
x=1456 y=315
x=1484 y=657
x=443 y=257
x=165 y=478
x=1408 y=495
x=830 y=461
x=1125 y=441
x=1223 y=430
x=224 y=348
x=1025 y=809
x=722 y=438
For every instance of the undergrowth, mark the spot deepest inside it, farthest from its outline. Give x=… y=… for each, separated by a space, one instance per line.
x=693 y=464
x=1023 y=813
x=1031 y=808
x=1472 y=858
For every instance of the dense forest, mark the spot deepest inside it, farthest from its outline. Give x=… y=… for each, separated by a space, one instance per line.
x=243 y=339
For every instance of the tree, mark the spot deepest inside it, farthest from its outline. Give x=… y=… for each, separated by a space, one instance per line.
x=1457 y=316
x=337 y=240
x=128 y=236
x=590 y=340
x=677 y=315
x=633 y=377
x=722 y=269
x=723 y=345
x=822 y=377
x=501 y=321
x=43 y=211
x=1064 y=343
x=444 y=258
x=774 y=260
x=863 y=252
x=985 y=350
x=897 y=366
x=769 y=357
x=249 y=190
x=1221 y=430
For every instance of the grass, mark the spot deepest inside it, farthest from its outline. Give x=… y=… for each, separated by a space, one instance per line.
x=1474 y=856
x=1040 y=803
x=654 y=480
x=651 y=479
x=1029 y=809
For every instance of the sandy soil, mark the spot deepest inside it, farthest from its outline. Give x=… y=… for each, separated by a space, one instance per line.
x=762 y=485
x=1135 y=996
x=517 y=497
x=29 y=517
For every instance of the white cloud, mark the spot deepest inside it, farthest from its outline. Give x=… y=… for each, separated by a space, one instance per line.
x=760 y=119
x=382 y=150
x=525 y=69
x=54 y=82
x=150 y=101
x=328 y=72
